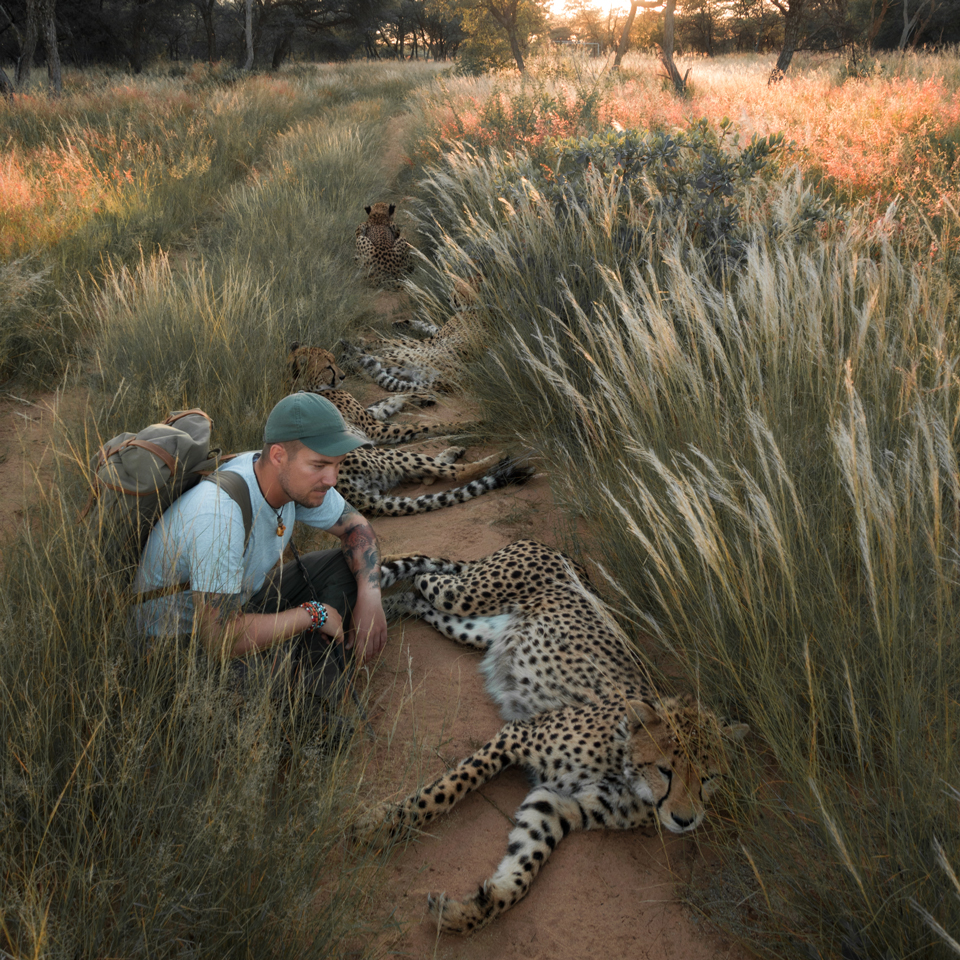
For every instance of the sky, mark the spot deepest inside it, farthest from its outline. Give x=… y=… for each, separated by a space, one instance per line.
x=558 y=7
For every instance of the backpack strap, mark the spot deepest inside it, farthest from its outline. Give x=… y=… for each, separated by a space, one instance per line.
x=235 y=487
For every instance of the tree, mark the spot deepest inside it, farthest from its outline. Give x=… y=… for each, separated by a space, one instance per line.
x=910 y=22
x=206 y=9
x=666 y=48
x=504 y=12
x=792 y=11
x=600 y=25
x=248 y=34
x=41 y=22
x=500 y=30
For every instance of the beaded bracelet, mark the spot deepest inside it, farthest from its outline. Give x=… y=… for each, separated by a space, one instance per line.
x=318 y=613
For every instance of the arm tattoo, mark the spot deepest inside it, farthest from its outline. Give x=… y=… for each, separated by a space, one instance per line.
x=360 y=546
x=225 y=605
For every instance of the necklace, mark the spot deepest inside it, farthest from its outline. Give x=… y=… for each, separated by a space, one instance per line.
x=281 y=526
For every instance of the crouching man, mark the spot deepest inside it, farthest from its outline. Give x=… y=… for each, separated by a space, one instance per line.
x=198 y=576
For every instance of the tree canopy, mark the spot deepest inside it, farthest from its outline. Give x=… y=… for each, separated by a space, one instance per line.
x=482 y=33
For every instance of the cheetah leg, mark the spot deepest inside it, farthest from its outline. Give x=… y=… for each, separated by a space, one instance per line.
x=478 y=633
x=353 y=356
x=445 y=593
x=395 y=569
x=391 y=405
x=370 y=502
x=543 y=820
x=398 y=819
x=442 y=466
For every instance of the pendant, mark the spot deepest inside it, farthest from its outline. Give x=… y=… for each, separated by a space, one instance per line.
x=281 y=527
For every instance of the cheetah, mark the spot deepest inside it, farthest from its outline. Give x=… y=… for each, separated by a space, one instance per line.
x=366 y=472
x=603 y=749
x=404 y=365
x=315 y=370
x=383 y=254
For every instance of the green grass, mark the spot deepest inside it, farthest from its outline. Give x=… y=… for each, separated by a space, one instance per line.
x=144 y=811
x=765 y=461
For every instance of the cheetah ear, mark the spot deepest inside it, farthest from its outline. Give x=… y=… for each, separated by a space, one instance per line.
x=734 y=731
x=368 y=210
x=642 y=713
x=295 y=345
x=392 y=208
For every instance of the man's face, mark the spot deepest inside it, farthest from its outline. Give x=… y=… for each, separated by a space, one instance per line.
x=306 y=476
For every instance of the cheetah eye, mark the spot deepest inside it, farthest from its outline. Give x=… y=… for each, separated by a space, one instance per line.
x=665 y=772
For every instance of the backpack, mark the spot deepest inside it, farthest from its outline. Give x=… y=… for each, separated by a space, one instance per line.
x=138 y=475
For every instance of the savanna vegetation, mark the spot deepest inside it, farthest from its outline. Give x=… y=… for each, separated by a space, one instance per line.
x=735 y=311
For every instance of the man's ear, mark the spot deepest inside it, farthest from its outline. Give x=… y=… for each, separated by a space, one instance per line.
x=277 y=454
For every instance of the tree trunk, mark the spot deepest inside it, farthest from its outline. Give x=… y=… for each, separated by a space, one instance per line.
x=624 y=41
x=666 y=51
x=507 y=18
x=249 y=34
x=909 y=23
x=515 y=46
x=625 y=36
x=6 y=85
x=876 y=22
x=50 y=46
x=28 y=48
x=281 y=50
x=791 y=40
x=206 y=15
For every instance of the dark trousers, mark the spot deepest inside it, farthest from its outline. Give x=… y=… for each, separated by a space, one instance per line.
x=312 y=661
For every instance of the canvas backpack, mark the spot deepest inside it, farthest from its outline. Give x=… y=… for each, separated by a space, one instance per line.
x=138 y=475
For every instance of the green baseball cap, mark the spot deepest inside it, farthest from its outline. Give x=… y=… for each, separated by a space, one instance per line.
x=315 y=422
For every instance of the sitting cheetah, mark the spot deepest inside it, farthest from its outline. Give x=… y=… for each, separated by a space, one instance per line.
x=381 y=251
x=315 y=370
x=603 y=749
x=367 y=472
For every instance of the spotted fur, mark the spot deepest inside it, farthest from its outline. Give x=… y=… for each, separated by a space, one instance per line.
x=603 y=749
x=434 y=363
x=368 y=472
x=381 y=251
x=316 y=370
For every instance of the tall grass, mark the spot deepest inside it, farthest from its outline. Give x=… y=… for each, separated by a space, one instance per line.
x=892 y=133
x=766 y=464
x=119 y=169
x=145 y=809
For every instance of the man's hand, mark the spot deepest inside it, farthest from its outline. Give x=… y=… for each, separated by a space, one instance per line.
x=368 y=632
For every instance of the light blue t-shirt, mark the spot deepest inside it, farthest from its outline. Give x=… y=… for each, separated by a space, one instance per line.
x=199 y=540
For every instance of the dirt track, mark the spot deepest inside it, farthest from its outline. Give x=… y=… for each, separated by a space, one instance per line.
x=602 y=894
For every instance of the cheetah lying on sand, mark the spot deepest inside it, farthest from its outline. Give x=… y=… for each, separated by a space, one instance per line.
x=315 y=370
x=366 y=473
x=602 y=747
x=404 y=365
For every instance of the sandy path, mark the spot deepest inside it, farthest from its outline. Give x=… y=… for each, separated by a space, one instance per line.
x=602 y=894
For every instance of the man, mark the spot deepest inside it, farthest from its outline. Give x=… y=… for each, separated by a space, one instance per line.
x=205 y=581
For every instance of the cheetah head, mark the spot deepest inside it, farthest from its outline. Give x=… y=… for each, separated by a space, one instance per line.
x=380 y=213
x=312 y=368
x=675 y=757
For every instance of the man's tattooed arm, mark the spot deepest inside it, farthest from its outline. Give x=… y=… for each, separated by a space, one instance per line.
x=368 y=627
x=360 y=546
